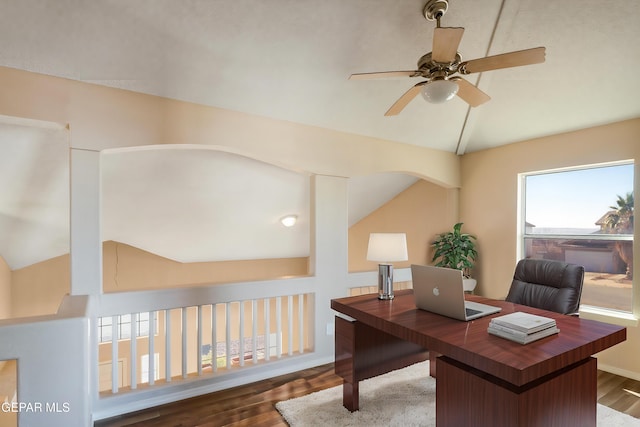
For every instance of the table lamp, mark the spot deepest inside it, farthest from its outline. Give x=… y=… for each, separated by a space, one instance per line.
x=386 y=248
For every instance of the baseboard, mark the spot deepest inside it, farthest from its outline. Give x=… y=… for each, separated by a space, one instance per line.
x=617 y=371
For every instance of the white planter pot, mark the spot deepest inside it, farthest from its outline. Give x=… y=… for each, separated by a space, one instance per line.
x=469 y=284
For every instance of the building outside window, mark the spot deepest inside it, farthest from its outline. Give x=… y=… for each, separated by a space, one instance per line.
x=584 y=216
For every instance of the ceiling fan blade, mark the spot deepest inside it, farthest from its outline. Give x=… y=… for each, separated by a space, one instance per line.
x=384 y=74
x=402 y=102
x=469 y=93
x=445 y=44
x=505 y=60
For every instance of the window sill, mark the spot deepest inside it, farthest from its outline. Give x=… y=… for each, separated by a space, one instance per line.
x=608 y=316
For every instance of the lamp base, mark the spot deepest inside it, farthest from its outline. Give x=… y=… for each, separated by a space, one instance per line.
x=385 y=281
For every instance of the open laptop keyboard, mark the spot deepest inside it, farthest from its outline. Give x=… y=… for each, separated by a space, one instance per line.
x=471 y=312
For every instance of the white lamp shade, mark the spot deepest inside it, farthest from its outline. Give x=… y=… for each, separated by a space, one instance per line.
x=387 y=247
x=439 y=91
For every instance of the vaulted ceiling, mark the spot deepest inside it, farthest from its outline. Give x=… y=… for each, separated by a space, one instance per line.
x=290 y=60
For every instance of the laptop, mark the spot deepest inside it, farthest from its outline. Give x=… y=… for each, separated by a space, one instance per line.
x=439 y=290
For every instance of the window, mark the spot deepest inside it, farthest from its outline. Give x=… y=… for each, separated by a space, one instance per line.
x=584 y=216
x=124 y=326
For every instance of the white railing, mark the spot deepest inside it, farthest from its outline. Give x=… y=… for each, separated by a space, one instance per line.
x=199 y=341
x=129 y=375
x=49 y=349
x=202 y=340
x=69 y=342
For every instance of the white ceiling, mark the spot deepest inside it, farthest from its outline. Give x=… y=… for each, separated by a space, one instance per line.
x=290 y=60
x=34 y=192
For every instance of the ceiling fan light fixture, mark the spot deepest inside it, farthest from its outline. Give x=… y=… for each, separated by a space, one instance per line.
x=439 y=91
x=289 y=220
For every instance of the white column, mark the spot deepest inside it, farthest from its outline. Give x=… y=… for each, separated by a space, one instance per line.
x=86 y=240
x=86 y=256
x=329 y=254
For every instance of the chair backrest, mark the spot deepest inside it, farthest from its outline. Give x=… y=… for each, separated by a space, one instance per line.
x=549 y=285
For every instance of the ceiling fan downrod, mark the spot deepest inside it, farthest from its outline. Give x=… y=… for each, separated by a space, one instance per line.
x=434 y=10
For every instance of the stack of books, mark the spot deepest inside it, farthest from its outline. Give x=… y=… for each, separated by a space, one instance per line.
x=522 y=327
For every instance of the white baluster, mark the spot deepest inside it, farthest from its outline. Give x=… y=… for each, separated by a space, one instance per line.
x=301 y=323
x=114 y=354
x=254 y=330
x=267 y=328
x=134 y=352
x=167 y=345
x=290 y=324
x=278 y=327
x=228 y=333
x=214 y=337
x=184 y=342
x=241 y=333
x=199 y=340
x=152 y=353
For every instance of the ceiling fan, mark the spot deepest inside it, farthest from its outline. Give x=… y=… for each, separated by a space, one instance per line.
x=440 y=65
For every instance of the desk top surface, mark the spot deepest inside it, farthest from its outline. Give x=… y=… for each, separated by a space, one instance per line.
x=471 y=344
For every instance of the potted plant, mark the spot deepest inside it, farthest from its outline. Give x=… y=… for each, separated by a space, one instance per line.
x=455 y=249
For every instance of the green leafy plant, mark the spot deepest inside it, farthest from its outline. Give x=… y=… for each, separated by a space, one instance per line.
x=455 y=249
x=620 y=221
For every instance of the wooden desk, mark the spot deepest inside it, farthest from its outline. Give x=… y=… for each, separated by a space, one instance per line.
x=481 y=380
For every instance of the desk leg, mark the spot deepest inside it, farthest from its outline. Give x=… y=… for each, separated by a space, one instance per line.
x=433 y=356
x=351 y=396
x=363 y=352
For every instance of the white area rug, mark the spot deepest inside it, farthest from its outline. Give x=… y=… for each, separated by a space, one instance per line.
x=400 y=398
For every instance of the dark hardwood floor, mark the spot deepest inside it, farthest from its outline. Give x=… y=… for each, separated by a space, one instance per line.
x=254 y=404
x=619 y=393
x=248 y=405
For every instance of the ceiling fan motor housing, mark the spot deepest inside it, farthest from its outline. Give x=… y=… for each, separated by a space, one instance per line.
x=427 y=67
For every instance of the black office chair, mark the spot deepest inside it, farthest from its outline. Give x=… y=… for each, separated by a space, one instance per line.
x=549 y=285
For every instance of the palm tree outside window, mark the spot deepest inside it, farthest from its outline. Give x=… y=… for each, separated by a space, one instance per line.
x=620 y=221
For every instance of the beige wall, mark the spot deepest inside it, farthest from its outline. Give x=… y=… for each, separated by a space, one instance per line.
x=39 y=288
x=5 y=290
x=102 y=118
x=422 y=211
x=127 y=268
x=489 y=200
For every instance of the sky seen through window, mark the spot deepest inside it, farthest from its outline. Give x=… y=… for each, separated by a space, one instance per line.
x=575 y=198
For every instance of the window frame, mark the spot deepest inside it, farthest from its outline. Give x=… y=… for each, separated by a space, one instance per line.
x=121 y=324
x=624 y=318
